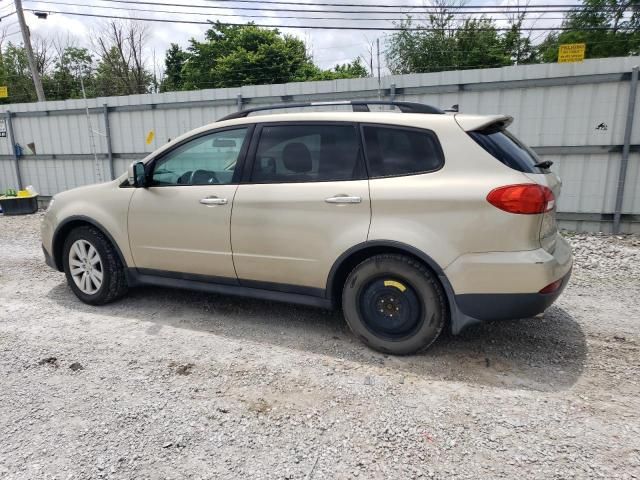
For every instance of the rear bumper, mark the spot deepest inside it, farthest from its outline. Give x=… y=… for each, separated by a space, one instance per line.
x=524 y=271
x=506 y=285
x=507 y=306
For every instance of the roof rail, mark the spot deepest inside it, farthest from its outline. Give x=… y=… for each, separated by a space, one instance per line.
x=357 y=105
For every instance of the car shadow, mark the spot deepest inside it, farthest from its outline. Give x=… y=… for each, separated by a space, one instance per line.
x=545 y=354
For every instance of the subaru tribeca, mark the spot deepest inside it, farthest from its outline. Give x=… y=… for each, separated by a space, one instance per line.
x=410 y=222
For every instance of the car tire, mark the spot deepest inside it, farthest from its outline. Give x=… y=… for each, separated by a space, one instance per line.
x=394 y=304
x=92 y=267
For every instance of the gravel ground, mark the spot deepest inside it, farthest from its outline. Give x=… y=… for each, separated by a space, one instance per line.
x=171 y=384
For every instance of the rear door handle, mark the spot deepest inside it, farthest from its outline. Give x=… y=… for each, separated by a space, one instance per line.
x=343 y=199
x=213 y=200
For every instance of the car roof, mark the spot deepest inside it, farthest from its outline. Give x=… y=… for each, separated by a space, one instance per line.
x=388 y=117
x=419 y=120
x=467 y=122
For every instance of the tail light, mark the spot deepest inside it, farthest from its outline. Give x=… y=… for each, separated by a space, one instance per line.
x=526 y=198
x=552 y=287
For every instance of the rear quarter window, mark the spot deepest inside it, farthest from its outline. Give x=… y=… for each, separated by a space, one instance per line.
x=506 y=148
x=396 y=151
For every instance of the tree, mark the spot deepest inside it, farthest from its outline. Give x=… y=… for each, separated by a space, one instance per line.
x=354 y=69
x=312 y=72
x=478 y=45
x=120 y=49
x=15 y=74
x=610 y=28
x=518 y=47
x=174 y=61
x=232 y=56
x=445 y=43
x=64 y=82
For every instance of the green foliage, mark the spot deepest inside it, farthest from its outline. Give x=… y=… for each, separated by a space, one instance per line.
x=15 y=74
x=519 y=48
x=602 y=25
x=477 y=43
x=608 y=27
x=232 y=56
x=174 y=61
x=64 y=81
x=443 y=43
x=229 y=56
x=354 y=69
x=114 y=76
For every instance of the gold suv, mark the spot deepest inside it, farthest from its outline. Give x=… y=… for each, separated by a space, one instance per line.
x=410 y=222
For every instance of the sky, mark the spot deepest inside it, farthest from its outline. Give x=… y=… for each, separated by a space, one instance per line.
x=328 y=47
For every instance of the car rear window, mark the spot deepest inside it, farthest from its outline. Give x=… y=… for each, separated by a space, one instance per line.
x=393 y=151
x=507 y=149
x=308 y=153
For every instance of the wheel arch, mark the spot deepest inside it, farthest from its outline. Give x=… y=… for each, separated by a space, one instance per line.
x=71 y=223
x=358 y=253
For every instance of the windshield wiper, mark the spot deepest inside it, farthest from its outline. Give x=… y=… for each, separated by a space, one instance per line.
x=544 y=165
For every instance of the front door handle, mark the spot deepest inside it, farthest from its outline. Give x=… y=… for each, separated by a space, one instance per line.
x=213 y=200
x=343 y=199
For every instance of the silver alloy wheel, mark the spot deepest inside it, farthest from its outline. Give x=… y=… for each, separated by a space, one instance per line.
x=85 y=266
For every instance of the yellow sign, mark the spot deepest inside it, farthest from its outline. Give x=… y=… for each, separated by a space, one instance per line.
x=571 y=52
x=4 y=91
x=150 y=136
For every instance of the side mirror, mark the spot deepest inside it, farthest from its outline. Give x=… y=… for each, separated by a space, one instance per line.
x=136 y=174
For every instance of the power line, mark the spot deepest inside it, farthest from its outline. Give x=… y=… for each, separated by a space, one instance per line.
x=307 y=10
x=308 y=27
x=410 y=6
x=243 y=15
x=15 y=32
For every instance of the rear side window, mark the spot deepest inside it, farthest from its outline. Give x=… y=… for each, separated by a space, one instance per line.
x=399 y=151
x=307 y=153
x=507 y=149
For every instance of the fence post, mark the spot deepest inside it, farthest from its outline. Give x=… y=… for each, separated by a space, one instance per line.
x=239 y=102
x=12 y=140
x=107 y=128
x=624 y=161
x=392 y=92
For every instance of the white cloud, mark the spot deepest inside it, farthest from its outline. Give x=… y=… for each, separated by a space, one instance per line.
x=328 y=46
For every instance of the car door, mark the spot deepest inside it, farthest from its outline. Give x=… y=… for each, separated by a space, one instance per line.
x=304 y=202
x=180 y=222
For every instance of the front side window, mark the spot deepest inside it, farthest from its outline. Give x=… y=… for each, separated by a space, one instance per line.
x=401 y=151
x=206 y=160
x=307 y=153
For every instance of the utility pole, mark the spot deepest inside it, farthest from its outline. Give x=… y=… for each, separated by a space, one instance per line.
x=379 y=85
x=26 y=38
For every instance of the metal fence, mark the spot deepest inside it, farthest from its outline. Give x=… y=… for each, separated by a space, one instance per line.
x=578 y=115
